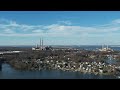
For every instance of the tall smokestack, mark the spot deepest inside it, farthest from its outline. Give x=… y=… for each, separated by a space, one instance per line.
x=36 y=45
x=102 y=46
x=42 y=43
x=107 y=46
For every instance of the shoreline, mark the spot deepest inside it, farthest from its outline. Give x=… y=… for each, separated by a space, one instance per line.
x=70 y=69
x=73 y=60
x=65 y=71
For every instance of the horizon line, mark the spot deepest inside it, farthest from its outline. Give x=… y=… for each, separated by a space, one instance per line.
x=61 y=45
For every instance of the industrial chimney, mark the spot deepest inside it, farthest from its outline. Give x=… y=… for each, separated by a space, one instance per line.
x=42 y=43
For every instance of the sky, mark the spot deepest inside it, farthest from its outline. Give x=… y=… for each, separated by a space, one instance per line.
x=60 y=27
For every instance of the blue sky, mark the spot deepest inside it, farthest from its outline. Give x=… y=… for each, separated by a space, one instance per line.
x=60 y=27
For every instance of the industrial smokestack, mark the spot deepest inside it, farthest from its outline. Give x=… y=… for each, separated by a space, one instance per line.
x=36 y=45
x=42 y=43
x=102 y=46
x=107 y=46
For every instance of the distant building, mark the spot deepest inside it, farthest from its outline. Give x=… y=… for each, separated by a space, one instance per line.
x=41 y=47
x=105 y=48
x=36 y=48
x=48 y=48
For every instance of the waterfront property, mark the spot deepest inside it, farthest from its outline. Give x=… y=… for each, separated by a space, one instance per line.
x=65 y=59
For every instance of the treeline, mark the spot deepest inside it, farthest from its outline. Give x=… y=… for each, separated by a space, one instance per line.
x=77 y=56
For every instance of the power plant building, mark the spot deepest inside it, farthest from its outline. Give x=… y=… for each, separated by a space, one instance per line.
x=105 y=48
x=41 y=47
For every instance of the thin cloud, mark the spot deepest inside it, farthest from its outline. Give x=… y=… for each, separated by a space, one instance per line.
x=9 y=31
x=117 y=21
x=66 y=29
x=65 y=22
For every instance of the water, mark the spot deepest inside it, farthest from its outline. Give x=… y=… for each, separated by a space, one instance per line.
x=9 y=73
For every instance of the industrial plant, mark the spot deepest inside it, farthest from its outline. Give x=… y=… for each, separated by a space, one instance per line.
x=105 y=48
x=39 y=47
